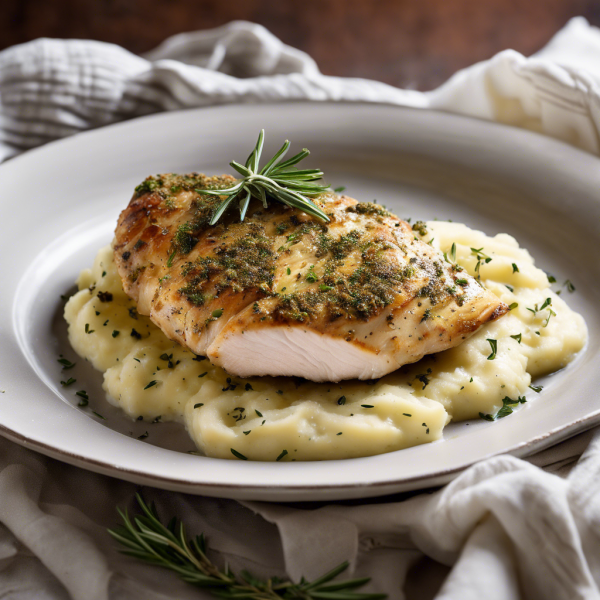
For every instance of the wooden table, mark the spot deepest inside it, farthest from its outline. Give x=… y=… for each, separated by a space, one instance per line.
x=410 y=43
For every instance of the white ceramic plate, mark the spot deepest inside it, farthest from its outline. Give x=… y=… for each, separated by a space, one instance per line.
x=60 y=203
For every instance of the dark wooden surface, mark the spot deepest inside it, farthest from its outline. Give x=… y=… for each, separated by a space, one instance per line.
x=409 y=43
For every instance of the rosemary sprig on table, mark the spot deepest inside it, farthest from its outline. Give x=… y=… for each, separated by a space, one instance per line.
x=149 y=540
x=278 y=180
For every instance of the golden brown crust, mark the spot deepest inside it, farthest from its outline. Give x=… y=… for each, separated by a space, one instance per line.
x=364 y=271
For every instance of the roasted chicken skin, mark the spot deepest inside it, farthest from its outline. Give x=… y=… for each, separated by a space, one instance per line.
x=284 y=293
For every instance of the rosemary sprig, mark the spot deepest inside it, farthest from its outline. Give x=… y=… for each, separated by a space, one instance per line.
x=149 y=540
x=278 y=180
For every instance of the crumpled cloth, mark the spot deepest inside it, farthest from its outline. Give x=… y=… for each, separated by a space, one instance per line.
x=504 y=529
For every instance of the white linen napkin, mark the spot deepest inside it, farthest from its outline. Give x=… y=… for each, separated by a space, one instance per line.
x=504 y=529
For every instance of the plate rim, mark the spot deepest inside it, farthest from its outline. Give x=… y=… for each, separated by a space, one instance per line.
x=441 y=477
x=523 y=448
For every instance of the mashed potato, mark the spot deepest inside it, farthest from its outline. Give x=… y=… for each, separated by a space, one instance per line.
x=149 y=376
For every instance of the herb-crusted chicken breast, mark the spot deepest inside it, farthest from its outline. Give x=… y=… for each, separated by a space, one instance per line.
x=283 y=293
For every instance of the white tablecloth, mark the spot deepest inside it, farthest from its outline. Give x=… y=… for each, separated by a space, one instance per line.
x=504 y=529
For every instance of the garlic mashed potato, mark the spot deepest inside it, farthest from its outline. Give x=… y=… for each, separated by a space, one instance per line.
x=266 y=418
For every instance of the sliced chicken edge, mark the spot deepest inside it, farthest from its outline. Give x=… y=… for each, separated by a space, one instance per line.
x=283 y=350
x=291 y=350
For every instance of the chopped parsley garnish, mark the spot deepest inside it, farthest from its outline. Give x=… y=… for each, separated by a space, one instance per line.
x=283 y=453
x=537 y=388
x=513 y=306
x=151 y=384
x=157 y=419
x=462 y=281
x=203 y=374
x=99 y=415
x=517 y=337
x=551 y=313
x=535 y=309
x=246 y=432
x=238 y=454
x=311 y=276
x=84 y=398
x=258 y=413
x=105 y=296
x=570 y=286
x=547 y=303
x=407 y=414
x=68 y=382
x=453 y=252
x=341 y=400
x=289 y=271
x=481 y=257
x=143 y=436
x=169 y=359
x=217 y=313
x=510 y=287
x=507 y=404
x=87 y=328
x=66 y=364
x=494 y=345
x=199 y=405
x=325 y=288
x=115 y=333
x=424 y=380
x=367 y=405
x=230 y=386
x=420 y=227
x=170 y=259
x=136 y=335
x=506 y=409
x=240 y=413
x=515 y=268
x=337 y=190
x=248 y=387
x=551 y=278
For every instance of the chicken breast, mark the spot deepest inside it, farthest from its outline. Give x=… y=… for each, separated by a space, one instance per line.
x=283 y=293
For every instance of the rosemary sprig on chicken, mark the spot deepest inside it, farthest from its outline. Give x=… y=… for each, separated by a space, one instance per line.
x=278 y=179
